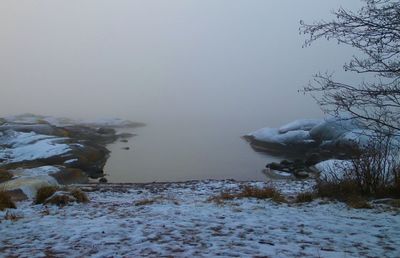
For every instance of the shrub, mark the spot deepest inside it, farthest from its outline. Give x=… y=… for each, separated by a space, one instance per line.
x=374 y=173
x=44 y=193
x=5 y=201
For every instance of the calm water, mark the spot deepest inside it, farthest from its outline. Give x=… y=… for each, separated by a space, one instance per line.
x=163 y=152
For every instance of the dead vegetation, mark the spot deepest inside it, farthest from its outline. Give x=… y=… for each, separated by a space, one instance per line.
x=60 y=196
x=145 y=202
x=5 y=201
x=305 y=197
x=250 y=192
x=44 y=193
x=5 y=175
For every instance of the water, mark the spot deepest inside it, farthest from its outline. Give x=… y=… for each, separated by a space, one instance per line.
x=195 y=151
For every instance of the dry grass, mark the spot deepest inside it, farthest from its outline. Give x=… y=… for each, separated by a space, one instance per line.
x=60 y=199
x=44 y=192
x=357 y=202
x=5 y=175
x=251 y=192
x=338 y=189
x=5 y=201
x=305 y=197
x=70 y=195
x=145 y=202
x=79 y=195
x=345 y=190
x=395 y=203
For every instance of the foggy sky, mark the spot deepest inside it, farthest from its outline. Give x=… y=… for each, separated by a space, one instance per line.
x=147 y=60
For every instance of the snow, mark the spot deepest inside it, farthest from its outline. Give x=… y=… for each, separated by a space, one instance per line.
x=332 y=132
x=300 y=124
x=29 y=184
x=70 y=161
x=38 y=171
x=31 y=146
x=182 y=222
x=61 y=121
x=108 y=122
x=333 y=168
x=272 y=135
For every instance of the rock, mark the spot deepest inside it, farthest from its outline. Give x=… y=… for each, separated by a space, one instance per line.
x=103 y=180
x=274 y=166
x=106 y=130
x=313 y=159
x=71 y=176
x=301 y=174
x=286 y=162
x=60 y=198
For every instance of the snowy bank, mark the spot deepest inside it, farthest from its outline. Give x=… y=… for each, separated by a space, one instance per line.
x=176 y=219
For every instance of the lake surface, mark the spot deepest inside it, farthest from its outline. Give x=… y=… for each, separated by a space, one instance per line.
x=162 y=152
x=199 y=73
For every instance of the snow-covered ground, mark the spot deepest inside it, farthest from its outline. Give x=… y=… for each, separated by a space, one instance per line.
x=176 y=219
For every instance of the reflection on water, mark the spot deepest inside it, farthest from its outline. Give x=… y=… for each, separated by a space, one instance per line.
x=161 y=152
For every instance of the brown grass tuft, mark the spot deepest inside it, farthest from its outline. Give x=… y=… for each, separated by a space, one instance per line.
x=79 y=195
x=357 y=202
x=5 y=175
x=6 y=201
x=305 y=197
x=44 y=192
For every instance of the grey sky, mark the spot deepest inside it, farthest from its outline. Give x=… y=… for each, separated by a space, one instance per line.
x=145 y=59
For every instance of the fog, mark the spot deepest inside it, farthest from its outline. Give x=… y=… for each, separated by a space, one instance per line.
x=198 y=72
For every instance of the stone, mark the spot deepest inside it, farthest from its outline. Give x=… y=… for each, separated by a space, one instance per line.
x=103 y=180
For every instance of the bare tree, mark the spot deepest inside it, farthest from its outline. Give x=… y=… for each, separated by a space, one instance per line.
x=374 y=30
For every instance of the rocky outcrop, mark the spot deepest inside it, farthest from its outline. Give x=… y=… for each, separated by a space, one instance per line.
x=41 y=150
x=306 y=142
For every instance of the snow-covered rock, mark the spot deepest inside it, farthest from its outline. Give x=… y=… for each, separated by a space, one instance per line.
x=338 y=135
x=332 y=128
x=333 y=168
x=30 y=146
x=272 y=135
x=29 y=184
x=300 y=124
x=37 y=171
